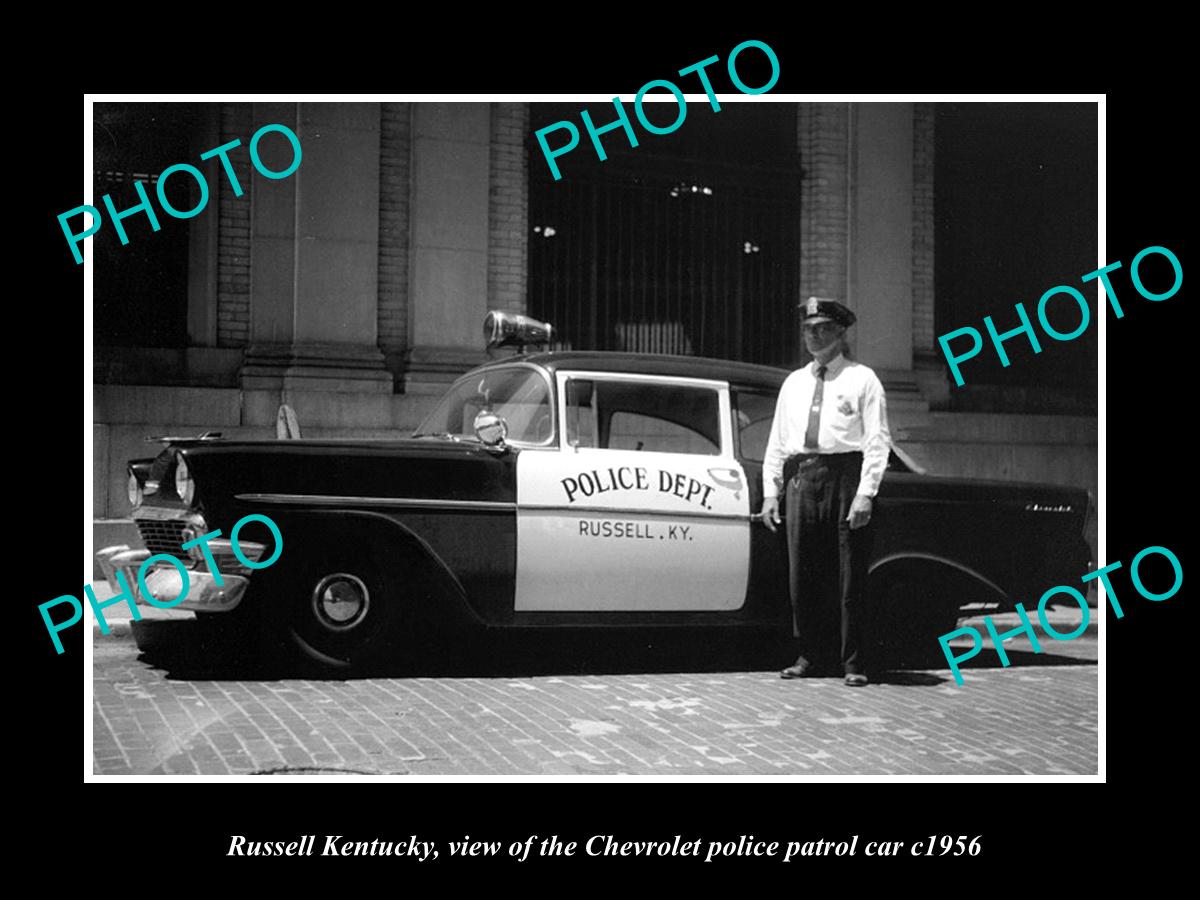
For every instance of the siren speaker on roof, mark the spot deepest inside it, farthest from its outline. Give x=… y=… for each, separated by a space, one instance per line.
x=503 y=329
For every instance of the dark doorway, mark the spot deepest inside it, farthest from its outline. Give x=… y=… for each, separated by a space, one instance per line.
x=1016 y=211
x=141 y=287
x=687 y=244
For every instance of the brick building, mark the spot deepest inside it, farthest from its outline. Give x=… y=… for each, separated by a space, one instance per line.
x=355 y=288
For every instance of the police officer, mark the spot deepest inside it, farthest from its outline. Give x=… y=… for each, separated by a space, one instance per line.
x=829 y=445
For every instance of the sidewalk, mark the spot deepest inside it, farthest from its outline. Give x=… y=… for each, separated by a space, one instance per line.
x=119 y=616
x=1062 y=619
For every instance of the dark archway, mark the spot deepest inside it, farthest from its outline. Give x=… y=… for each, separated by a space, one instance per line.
x=141 y=287
x=688 y=243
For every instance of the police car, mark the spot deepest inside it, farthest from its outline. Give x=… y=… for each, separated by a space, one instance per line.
x=553 y=489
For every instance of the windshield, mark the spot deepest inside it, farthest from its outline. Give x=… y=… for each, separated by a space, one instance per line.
x=521 y=396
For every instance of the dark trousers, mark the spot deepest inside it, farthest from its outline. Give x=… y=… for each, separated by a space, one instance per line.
x=827 y=562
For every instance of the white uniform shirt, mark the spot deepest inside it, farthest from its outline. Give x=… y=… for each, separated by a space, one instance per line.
x=853 y=417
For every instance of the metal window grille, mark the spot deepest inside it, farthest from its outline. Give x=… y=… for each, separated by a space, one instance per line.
x=639 y=260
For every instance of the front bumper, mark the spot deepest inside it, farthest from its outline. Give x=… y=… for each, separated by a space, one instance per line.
x=164 y=582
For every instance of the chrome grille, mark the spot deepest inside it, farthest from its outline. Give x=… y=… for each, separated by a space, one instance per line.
x=162 y=536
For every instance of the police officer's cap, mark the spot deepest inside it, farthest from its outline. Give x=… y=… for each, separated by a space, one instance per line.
x=820 y=309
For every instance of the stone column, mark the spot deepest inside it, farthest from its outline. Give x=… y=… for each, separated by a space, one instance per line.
x=928 y=364
x=823 y=142
x=880 y=276
x=314 y=281
x=880 y=252
x=449 y=249
x=202 y=244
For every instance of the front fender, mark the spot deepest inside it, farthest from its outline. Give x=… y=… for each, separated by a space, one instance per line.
x=401 y=550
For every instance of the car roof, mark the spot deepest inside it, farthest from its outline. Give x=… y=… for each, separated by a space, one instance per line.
x=652 y=364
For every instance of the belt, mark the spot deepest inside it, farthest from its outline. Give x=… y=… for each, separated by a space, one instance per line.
x=801 y=462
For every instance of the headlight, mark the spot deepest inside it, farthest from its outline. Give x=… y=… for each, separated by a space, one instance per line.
x=185 y=487
x=134 y=489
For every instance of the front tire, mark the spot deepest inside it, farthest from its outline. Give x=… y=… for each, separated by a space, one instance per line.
x=339 y=613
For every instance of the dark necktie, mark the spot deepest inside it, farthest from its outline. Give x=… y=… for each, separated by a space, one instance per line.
x=814 y=412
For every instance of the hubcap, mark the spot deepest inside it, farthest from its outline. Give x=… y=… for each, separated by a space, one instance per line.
x=340 y=601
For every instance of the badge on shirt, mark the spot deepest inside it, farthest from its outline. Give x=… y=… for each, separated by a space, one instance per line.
x=845 y=408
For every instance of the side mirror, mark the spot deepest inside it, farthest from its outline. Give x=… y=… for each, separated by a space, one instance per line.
x=491 y=429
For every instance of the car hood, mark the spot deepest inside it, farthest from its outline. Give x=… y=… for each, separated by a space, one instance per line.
x=228 y=473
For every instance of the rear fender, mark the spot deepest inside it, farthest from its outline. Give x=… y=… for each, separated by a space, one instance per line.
x=952 y=580
x=916 y=598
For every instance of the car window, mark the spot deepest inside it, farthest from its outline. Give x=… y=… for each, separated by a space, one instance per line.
x=896 y=463
x=619 y=415
x=520 y=395
x=753 y=413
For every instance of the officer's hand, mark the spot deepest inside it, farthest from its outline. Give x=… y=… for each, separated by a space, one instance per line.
x=860 y=511
x=770 y=512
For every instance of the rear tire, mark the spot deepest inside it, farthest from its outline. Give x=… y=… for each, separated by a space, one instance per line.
x=911 y=613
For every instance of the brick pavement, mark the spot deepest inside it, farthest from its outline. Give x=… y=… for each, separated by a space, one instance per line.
x=1030 y=719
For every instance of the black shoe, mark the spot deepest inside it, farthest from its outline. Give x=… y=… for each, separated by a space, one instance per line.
x=856 y=679
x=802 y=668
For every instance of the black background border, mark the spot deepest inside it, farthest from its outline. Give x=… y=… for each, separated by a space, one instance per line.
x=1148 y=407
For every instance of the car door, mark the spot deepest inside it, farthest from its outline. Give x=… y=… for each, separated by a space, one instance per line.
x=753 y=413
x=641 y=507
